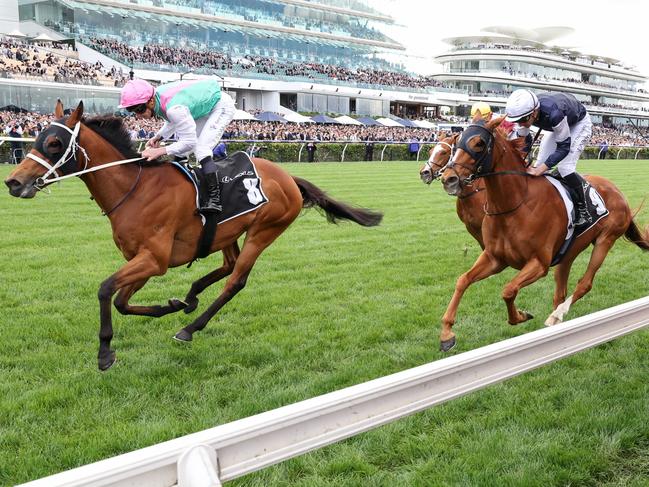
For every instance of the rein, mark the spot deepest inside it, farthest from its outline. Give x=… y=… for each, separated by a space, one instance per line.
x=125 y=197
x=70 y=153
x=84 y=171
x=508 y=172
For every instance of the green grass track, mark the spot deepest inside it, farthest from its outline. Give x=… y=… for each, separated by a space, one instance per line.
x=325 y=307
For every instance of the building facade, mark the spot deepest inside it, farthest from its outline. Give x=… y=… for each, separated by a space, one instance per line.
x=492 y=64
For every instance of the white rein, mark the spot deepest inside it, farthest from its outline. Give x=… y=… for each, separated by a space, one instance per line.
x=69 y=152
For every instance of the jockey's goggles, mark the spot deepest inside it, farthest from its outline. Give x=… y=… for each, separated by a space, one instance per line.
x=139 y=109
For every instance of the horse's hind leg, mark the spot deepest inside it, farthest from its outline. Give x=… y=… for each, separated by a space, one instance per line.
x=156 y=311
x=230 y=255
x=585 y=284
x=254 y=245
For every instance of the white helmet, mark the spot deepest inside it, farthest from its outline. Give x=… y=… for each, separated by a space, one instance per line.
x=520 y=104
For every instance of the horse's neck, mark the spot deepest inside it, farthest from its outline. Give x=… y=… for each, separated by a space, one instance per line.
x=505 y=191
x=107 y=186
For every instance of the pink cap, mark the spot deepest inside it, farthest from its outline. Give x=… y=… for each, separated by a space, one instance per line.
x=135 y=92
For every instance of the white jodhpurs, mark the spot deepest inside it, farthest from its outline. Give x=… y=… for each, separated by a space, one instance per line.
x=209 y=129
x=579 y=135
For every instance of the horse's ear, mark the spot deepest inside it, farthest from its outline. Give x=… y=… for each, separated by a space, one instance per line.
x=58 y=109
x=76 y=115
x=477 y=117
x=495 y=122
x=456 y=136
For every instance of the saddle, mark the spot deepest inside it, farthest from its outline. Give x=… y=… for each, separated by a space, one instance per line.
x=241 y=192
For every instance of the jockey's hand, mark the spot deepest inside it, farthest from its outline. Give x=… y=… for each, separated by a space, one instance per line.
x=153 y=142
x=538 y=170
x=152 y=153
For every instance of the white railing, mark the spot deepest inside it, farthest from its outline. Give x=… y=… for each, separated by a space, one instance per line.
x=238 y=448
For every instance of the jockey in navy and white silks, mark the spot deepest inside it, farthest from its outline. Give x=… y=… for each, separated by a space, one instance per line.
x=568 y=128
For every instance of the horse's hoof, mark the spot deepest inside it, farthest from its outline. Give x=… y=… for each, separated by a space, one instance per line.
x=526 y=317
x=446 y=345
x=183 y=336
x=552 y=320
x=177 y=304
x=106 y=363
x=191 y=306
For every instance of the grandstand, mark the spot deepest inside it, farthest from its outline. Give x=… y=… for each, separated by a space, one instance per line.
x=326 y=56
x=491 y=64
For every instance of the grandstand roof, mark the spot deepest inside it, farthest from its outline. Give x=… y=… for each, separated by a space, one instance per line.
x=121 y=8
x=332 y=8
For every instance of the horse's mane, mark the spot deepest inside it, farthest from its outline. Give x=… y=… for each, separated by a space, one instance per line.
x=517 y=144
x=114 y=131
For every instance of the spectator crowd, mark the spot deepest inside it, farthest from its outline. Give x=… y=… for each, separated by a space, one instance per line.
x=20 y=59
x=30 y=124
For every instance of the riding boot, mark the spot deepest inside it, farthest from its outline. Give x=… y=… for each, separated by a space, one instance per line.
x=581 y=214
x=213 y=204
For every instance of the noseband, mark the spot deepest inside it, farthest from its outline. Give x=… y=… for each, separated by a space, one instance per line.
x=429 y=163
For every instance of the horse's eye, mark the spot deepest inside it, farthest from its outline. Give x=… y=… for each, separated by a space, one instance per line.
x=54 y=146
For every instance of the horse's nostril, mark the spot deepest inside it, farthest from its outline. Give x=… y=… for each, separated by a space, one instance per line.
x=12 y=183
x=451 y=180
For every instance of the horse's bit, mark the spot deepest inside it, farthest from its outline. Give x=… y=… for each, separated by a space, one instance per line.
x=429 y=163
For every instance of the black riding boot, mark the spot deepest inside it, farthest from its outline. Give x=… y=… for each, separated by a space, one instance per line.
x=581 y=214
x=213 y=204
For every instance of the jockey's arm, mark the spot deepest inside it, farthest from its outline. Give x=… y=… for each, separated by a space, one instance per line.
x=563 y=140
x=183 y=125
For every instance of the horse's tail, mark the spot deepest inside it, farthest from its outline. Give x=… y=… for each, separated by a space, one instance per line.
x=638 y=236
x=335 y=210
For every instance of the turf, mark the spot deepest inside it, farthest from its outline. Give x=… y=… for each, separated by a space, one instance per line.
x=325 y=307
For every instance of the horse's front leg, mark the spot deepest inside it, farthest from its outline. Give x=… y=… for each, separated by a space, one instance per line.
x=485 y=266
x=230 y=255
x=138 y=269
x=530 y=273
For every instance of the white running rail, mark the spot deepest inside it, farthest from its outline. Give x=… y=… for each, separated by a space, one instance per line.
x=238 y=448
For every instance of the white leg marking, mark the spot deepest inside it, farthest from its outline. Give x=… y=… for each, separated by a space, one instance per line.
x=558 y=314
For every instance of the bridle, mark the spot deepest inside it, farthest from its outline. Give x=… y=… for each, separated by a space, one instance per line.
x=67 y=163
x=430 y=164
x=482 y=166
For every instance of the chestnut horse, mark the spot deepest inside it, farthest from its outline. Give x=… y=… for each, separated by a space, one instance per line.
x=152 y=211
x=470 y=200
x=527 y=225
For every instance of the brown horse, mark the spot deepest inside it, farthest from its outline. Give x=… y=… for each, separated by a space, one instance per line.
x=527 y=225
x=152 y=211
x=470 y=200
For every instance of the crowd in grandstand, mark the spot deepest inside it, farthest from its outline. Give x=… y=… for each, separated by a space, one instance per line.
x=188 y=58
x=20 y=59
x=30 y=124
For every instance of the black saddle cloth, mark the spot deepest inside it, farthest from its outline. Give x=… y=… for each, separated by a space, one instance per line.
x=241 y=187
x=241 y=192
